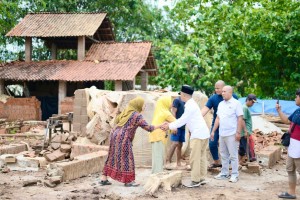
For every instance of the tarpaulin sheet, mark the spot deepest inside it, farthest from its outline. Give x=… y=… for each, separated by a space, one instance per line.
x=268 y=106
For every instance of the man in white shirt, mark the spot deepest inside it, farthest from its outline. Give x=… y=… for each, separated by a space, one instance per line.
x=229 y=118
x=196 y=124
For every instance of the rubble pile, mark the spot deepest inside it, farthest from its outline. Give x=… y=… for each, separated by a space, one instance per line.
x=20 y=126
x=60 y=147
x=263 y=140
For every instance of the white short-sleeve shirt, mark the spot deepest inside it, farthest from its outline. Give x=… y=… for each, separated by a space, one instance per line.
x=228 y=113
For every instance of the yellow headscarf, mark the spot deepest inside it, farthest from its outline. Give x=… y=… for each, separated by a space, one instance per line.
x=162 y=113
x=162 y=110
x=134 y=105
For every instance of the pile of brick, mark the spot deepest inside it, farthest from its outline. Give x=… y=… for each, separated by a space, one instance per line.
x=263 y=140
x=60 y=147
x=19 y=126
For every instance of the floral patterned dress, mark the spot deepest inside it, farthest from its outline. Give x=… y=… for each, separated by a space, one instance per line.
x=120 y=161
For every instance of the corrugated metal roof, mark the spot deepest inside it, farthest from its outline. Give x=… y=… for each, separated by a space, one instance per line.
x=70 y=70
x=58 y=25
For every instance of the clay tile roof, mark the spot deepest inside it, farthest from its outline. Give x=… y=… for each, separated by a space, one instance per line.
x=123 y=52
x=70 y=70
x=58 y=25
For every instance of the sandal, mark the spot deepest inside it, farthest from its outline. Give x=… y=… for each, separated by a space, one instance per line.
x=106 y=182
x=213 y=165
x=286 y=195
x=131 y=184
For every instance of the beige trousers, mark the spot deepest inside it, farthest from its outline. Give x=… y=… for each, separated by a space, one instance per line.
x=198 y=159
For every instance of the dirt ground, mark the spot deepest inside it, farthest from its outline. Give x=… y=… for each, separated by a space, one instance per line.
x=250 y=186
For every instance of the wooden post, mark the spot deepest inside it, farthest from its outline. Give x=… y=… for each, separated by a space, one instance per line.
x=2 y=89
x=28 y=49
x=144 y=80
x=53 y=51
x=62 y=93
x=81 y=48
x=118 y=85
x=133 y=84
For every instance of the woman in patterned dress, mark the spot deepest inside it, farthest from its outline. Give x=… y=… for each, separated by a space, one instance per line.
x=120 y=161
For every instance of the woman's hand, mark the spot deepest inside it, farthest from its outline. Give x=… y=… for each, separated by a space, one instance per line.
x=164 y=126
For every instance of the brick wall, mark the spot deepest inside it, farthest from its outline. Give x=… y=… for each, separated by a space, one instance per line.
x=66 y=105
x=21 y=108
x=2 y=113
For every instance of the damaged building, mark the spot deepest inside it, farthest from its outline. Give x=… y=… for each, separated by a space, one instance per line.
x=49 y=83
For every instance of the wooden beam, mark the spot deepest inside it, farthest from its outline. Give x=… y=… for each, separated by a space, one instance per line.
x=148 y=70
x=62 y=93
x=92 y=39
x=28 y=49
x=105 y=29
x=118 y=85
x=53 y=51
x=2 y=89
x=81 y=48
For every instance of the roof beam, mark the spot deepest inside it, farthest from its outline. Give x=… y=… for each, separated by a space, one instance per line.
x=92 y=39
x=148 y=70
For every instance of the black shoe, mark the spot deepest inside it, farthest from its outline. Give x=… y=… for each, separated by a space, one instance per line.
x=106 y=182
x=194 y=184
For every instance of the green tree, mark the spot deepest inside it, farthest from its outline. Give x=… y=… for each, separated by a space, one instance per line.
x=254 y=47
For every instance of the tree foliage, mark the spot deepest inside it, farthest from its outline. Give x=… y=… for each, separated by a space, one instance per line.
x=254 y=47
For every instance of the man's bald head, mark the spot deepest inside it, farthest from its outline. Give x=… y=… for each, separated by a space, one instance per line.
x=227 y=92
x=218 y=87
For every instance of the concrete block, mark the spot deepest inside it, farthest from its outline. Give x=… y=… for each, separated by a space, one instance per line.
x=81 y=166
x=84 y=119
x=77 y=101
x=10 y=159
x=55 y=145
x=65 y=148
x=22 y=163
x=55 y=156
x=76 y=127
x=55 y=179
x=80 y=93
x=166 y=180
x=42 y=162
x=76 y=119
x=269 y=156
x=253 y=168
x=77 y=110
x=83 y=110
x=83 y=131
x=13 y=149
x=56 y=139
x=81 y=149
x=83 y=102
